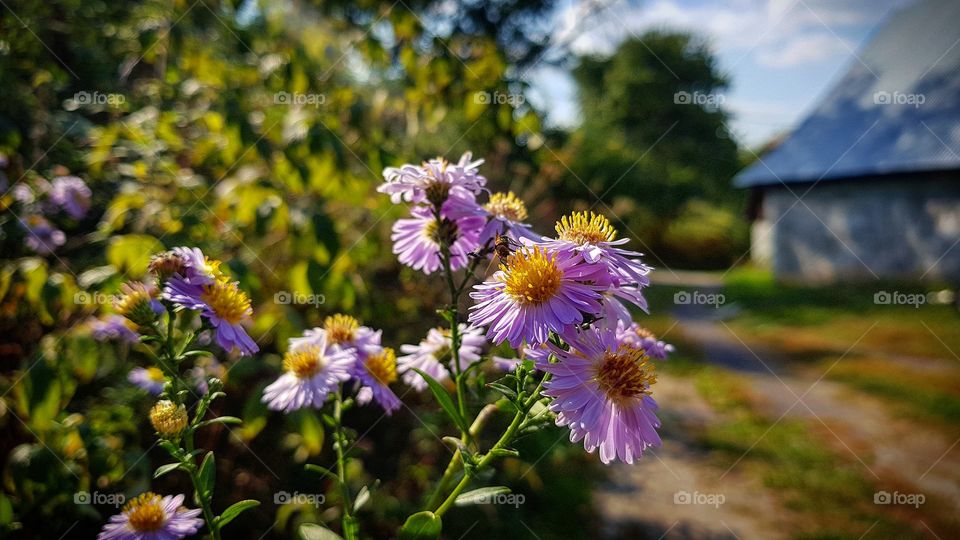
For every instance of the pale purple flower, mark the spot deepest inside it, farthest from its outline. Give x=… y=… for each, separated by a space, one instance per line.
x=42 y=236
x=311 y=372
x=71 y=194
x=150 y=379
x=601 y=391
x=505 y=364
x=538 y=291
x=506 y=215
x=113 y=328
x=638 y=336
x=375 y=372
x=198 y=269
x=434 y=353
x=416 y=240
x=592 y=235
x=204 y=369
x=222 y=304
x=433 y=180
x=151 y=517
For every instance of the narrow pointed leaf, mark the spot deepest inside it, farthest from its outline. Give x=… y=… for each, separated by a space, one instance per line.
x=235 y=510
x=443 y=398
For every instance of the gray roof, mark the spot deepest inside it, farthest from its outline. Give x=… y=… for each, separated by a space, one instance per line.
x=897 y=109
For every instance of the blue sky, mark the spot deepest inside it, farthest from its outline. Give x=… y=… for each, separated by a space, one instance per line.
x=780 y=55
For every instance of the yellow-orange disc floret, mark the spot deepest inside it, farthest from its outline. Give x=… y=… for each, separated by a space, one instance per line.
x=585 y=228
x=145 y=513
x=507 y=205
x=227 y=301
x=304 y=363
x=531 y=276
x=625 y=373
x=382 y=366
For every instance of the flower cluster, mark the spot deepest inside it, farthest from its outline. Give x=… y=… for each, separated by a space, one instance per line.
x=563 y=301
x=446 y=219
x=322 y=360
x=44 y=206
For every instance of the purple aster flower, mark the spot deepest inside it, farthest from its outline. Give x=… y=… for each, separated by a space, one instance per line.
x=417 y=239
x=433 y=180
x=433 y=354
x=23 y=194
x=311 y=372
x=222 y=304
x=114 y=328
x=197 y=268
x=506 y=215
x=150 y=517
x=377 y=370
x=638 y=336
x=42 y=236
x=150 y=379
x=204 y=369
x=71 y=194
x=593 y=236
x=537 y=291
x=601 y=390
x=346 y=332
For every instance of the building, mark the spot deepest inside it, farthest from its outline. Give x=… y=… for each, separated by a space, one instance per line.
x=868 y=185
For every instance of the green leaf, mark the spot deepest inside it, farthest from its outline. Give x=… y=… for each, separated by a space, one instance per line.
x=208 y=473
x=164 y=469
x=235 y=510
x=480 y=496
x=322 y=471
x=421 y=526
x=131 y=253
x=221 y=420
x=445 y=402
x=312 y=531
x=508 y=392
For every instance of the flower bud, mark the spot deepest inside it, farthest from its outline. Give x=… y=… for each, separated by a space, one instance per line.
x=136 y=303
x=166 y=264
x=168 y=419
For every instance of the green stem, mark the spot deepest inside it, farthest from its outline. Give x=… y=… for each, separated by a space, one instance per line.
x=457 y=458
x=488 y=458
x=350 y=525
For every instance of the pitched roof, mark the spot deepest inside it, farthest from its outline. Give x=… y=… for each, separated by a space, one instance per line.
x=896 y=110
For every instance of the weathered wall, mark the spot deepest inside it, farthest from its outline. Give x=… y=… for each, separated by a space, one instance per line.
x=858 y=230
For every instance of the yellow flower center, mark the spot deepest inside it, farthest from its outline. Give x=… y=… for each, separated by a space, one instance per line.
x=340 y=328
x=304 y=363
x=507 y=205
x=212 y=267
x=531 y=276
x=144 y=513
x=585 y=228
x=625 y=373
x=227 y=301
x=382 y=366
x=135 y=297
x=155 y=374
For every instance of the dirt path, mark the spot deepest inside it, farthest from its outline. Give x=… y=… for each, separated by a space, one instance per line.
x=894 y=453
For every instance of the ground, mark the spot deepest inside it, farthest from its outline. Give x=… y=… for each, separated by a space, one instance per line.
x=796 y=413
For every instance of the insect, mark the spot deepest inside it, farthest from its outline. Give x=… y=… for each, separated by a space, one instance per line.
x=503 y=246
